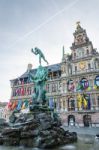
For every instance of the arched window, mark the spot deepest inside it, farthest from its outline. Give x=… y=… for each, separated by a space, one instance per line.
x=87 y=120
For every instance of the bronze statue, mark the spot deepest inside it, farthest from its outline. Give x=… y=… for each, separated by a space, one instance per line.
x=39 y=79
x=37 y=51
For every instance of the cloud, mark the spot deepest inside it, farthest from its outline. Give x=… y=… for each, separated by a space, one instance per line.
x=46 y=24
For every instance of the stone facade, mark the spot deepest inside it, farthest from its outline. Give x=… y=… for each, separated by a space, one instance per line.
x=72 y=86
x=3 y=112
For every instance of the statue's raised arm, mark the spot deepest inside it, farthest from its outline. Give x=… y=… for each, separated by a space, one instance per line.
x=34 y=51
x=37 y=51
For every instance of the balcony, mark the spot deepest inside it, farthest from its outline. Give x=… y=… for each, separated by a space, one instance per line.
x=85 y=71
x=93 y=109
x=79 y=58
x=21 y=97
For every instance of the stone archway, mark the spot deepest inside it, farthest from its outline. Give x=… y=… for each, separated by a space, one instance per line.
x=71 y=120
x=87 y=120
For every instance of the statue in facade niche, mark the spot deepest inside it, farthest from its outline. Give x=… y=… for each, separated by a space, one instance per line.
x=39 y=79
x=37 y=51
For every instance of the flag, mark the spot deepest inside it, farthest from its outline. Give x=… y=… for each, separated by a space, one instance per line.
x=51 y=103
x=14 y=105
x=19 y=105
x=79 y=100
x=25 y=104
x=85 y=102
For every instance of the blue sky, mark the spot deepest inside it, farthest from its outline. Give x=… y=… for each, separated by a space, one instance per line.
x=47 y=24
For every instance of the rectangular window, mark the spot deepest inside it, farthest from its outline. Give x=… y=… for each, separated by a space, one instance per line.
x=75 y=68
x=74 y=55
x=64 y=85
x=54 y=88
x=87 y=51
x=89 y=66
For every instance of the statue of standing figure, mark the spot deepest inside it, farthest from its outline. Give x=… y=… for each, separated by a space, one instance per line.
x=39 y=79
x=37 y=51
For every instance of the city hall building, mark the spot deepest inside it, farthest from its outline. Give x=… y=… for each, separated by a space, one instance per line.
x=72 y=86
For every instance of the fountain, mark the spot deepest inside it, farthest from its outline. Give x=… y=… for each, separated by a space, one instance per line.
x=41 y=127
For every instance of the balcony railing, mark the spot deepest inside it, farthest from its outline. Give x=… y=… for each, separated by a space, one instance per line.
x=85 y=71
x=77 y=58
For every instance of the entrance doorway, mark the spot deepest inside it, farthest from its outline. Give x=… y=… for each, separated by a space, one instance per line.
x=71 y=120
x=87 y=120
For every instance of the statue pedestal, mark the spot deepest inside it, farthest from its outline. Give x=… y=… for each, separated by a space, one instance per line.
x=37 y=129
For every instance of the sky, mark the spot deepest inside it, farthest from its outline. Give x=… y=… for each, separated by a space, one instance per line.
x=47 y=24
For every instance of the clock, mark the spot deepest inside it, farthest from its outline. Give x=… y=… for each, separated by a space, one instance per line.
x=82 y=65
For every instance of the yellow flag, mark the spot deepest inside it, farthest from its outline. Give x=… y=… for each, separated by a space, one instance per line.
x=79 y=100
x=85 y=103
x=23 y=106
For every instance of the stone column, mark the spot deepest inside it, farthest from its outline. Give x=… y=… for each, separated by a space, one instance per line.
x=66 y=71
x=96 y=107
x=93 y=83
x=76 y=108
x=66 y=104
x=52 y=75
x=61 y=100
x=58 y=104
x=59 y=107
x=91 y=101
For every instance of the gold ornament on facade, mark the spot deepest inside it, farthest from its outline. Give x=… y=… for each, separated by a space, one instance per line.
x=82 y=65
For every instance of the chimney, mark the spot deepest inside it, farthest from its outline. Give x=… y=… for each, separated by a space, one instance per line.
x=29 y=67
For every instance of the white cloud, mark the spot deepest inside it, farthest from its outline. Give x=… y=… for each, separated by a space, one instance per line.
x=48 y=25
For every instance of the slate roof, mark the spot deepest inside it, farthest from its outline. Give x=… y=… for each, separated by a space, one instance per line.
x=51 y=68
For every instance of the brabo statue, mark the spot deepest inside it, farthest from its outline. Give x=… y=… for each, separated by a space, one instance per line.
x=37 y=51
x=39 y=79
x=39 y=85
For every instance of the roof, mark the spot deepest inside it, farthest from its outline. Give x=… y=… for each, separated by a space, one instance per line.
x=55 y=67
x=51 y=68
x=26 y=74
